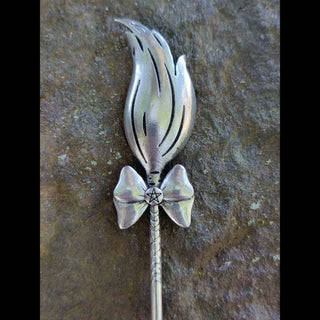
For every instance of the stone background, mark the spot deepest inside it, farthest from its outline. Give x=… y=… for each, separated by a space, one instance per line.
x=226 y=265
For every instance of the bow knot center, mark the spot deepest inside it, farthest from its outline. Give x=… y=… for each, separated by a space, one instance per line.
x=153 y=196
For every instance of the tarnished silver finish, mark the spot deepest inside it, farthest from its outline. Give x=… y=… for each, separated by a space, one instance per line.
x=158 y=119
x=153 y=196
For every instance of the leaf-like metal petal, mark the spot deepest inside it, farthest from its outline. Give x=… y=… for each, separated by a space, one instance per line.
x=128 y=197
x=160 y=106
x=178 y=196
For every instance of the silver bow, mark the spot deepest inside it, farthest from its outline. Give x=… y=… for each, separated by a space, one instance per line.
x=132 y=196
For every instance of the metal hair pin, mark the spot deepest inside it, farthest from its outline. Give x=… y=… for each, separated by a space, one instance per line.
x=158 y=118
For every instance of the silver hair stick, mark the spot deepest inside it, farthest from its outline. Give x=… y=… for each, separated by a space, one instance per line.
x=158 y=118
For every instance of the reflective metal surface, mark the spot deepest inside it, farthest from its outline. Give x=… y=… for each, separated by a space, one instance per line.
x=178 y=196
x=160 y=106
x=158 y=119
x=132 y=196
x=128 y=197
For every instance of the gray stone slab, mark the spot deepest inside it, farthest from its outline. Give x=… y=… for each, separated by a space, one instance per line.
x=226 y=265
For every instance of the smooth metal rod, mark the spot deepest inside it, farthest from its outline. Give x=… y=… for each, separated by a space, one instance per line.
x=155 y=255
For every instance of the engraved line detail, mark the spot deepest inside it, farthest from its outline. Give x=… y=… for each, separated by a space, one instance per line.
x=132 y=121
x=178 y=134
x=155 y=246
x=156 y=70
x=172 y=107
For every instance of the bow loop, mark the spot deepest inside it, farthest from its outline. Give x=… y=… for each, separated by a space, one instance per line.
x=132 y=196
x=128 y=197
x=178 y=196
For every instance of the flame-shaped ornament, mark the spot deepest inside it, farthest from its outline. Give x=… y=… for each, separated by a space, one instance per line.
x=158 y=119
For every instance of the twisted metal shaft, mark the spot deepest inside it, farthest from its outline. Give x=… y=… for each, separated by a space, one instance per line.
x=155 y=257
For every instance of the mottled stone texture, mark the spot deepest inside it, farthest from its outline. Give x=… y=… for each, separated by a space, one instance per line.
x=226 y=265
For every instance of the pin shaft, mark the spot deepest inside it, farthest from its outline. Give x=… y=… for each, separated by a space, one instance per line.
x=155 y=257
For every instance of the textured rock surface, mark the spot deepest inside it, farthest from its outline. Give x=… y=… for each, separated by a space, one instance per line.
x=226 y=265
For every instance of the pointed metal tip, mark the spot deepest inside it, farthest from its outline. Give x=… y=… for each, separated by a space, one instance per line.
x=123 y=21
x=132 y=25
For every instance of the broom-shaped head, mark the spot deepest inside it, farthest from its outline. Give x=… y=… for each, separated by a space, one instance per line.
x=160 y=106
